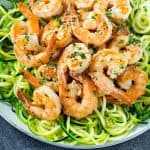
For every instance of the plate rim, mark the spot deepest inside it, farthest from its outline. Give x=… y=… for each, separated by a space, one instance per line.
x=61 y=145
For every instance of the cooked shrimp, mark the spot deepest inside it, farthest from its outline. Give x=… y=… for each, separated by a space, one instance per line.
x=46 y=104
x=47 y=8
x=116 y=9
x=131 y=51
x=110 y=61
x=84 y=4
x=70 y=92
x=118 y=42
x=134 y=81
x=88 y=102
x=134 y=53
x=47 y=72
x=32 y=57
x=100 y=26
x=78 y=57
x=62 y=30
x=26 y=42
x=32 y=22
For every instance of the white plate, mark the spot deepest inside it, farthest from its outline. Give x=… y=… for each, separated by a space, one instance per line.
x=10 y=117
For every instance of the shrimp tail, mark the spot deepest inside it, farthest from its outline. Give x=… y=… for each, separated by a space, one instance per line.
x=51 y=48
x=23 y=98
x=24 y=9
x=30 y=78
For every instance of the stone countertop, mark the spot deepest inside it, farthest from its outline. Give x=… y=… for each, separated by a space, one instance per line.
x=12 y=139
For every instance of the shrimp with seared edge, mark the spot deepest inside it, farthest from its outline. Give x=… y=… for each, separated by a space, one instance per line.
x=45 y=105
x=125 y=78
x=61 y=29
x=130 y=47
x=109 y=61
x=70 y=92
x=78 y=57
x=25 y=36
x=133 y=82
x=46 y=8
x=116 y=9
x=96 y=29
x=83 y=4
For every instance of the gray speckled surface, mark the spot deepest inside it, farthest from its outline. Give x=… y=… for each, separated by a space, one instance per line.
x=12 y=139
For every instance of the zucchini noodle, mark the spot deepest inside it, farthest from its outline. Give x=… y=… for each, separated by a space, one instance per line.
x=108 y=123
x=140 y=17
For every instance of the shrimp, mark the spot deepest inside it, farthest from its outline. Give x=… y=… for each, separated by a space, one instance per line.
x=46 y=104
x=116 y=9
x=134 y=53
x=26 y=42
x=62 y=31
x=33 y=20
x=134 y=81
x=118 y=42
x=47 y=72
x=88 y=102
x=36 y=82
x=96 y=29
x=110 y=61
x=70 y=92
x=32 y=57
x=84 y=4
x=47 y=8
x=78 y=57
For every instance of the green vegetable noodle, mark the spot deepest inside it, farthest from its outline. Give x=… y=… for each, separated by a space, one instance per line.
x=109 y=122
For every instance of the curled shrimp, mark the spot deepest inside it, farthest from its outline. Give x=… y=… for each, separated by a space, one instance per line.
x=118 y=9
x=109 y=61
x=134 y=81
x=25 y=36
x=84 y=4
x=70 y=92
x=96 y=29
x=47 y=8
x=132 y=51
x=78 y=57
x=62 y=31
x=118 y=42
x=47 y=71
x=35 y=82
x=46 y=104
x=88 y=102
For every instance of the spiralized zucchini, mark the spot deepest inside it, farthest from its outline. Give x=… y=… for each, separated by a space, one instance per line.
x=109 y=122
x=140 y=16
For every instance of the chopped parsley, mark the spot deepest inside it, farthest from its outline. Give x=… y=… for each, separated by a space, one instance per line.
x=79 y=48
x=93 y=17
x=81 y=63
x=81 y=54
x=59 y=21
x=27 y=37
x=109 y=12
x=121 y=41
x=91 y=46
x=133 y=40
